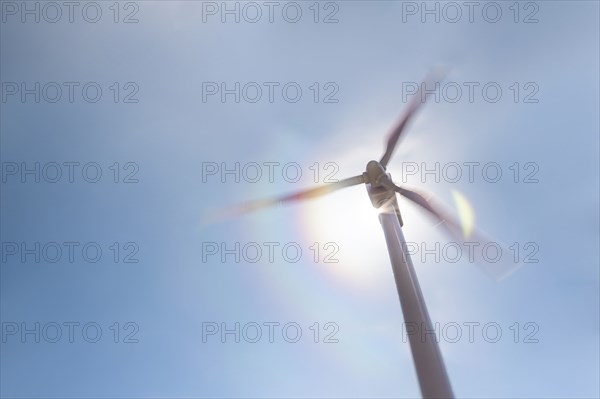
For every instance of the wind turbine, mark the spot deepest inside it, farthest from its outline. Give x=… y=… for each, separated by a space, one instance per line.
x=427 y=358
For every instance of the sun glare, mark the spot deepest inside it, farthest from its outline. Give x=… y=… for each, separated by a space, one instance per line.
x=348 y=220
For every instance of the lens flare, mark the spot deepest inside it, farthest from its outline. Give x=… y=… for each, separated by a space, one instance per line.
x=466 y=214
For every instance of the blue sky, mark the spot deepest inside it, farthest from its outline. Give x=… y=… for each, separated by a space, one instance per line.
x=166 y=138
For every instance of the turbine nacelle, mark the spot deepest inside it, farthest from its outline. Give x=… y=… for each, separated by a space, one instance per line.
x=381 y=194
x=375 y=173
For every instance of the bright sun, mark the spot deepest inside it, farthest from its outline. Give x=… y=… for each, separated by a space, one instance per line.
x=348 y=220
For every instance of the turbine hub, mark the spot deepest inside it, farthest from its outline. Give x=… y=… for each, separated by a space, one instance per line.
x=375 y=172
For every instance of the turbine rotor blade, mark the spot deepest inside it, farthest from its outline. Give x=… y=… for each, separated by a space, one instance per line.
x=452 y=227
x=434 y=78
x=321 y=190
x=252 y=206
x=496 y=269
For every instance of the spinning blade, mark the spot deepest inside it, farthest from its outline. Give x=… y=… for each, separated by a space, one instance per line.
x=252 y=206
x=433 y=78
x=474 y=242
